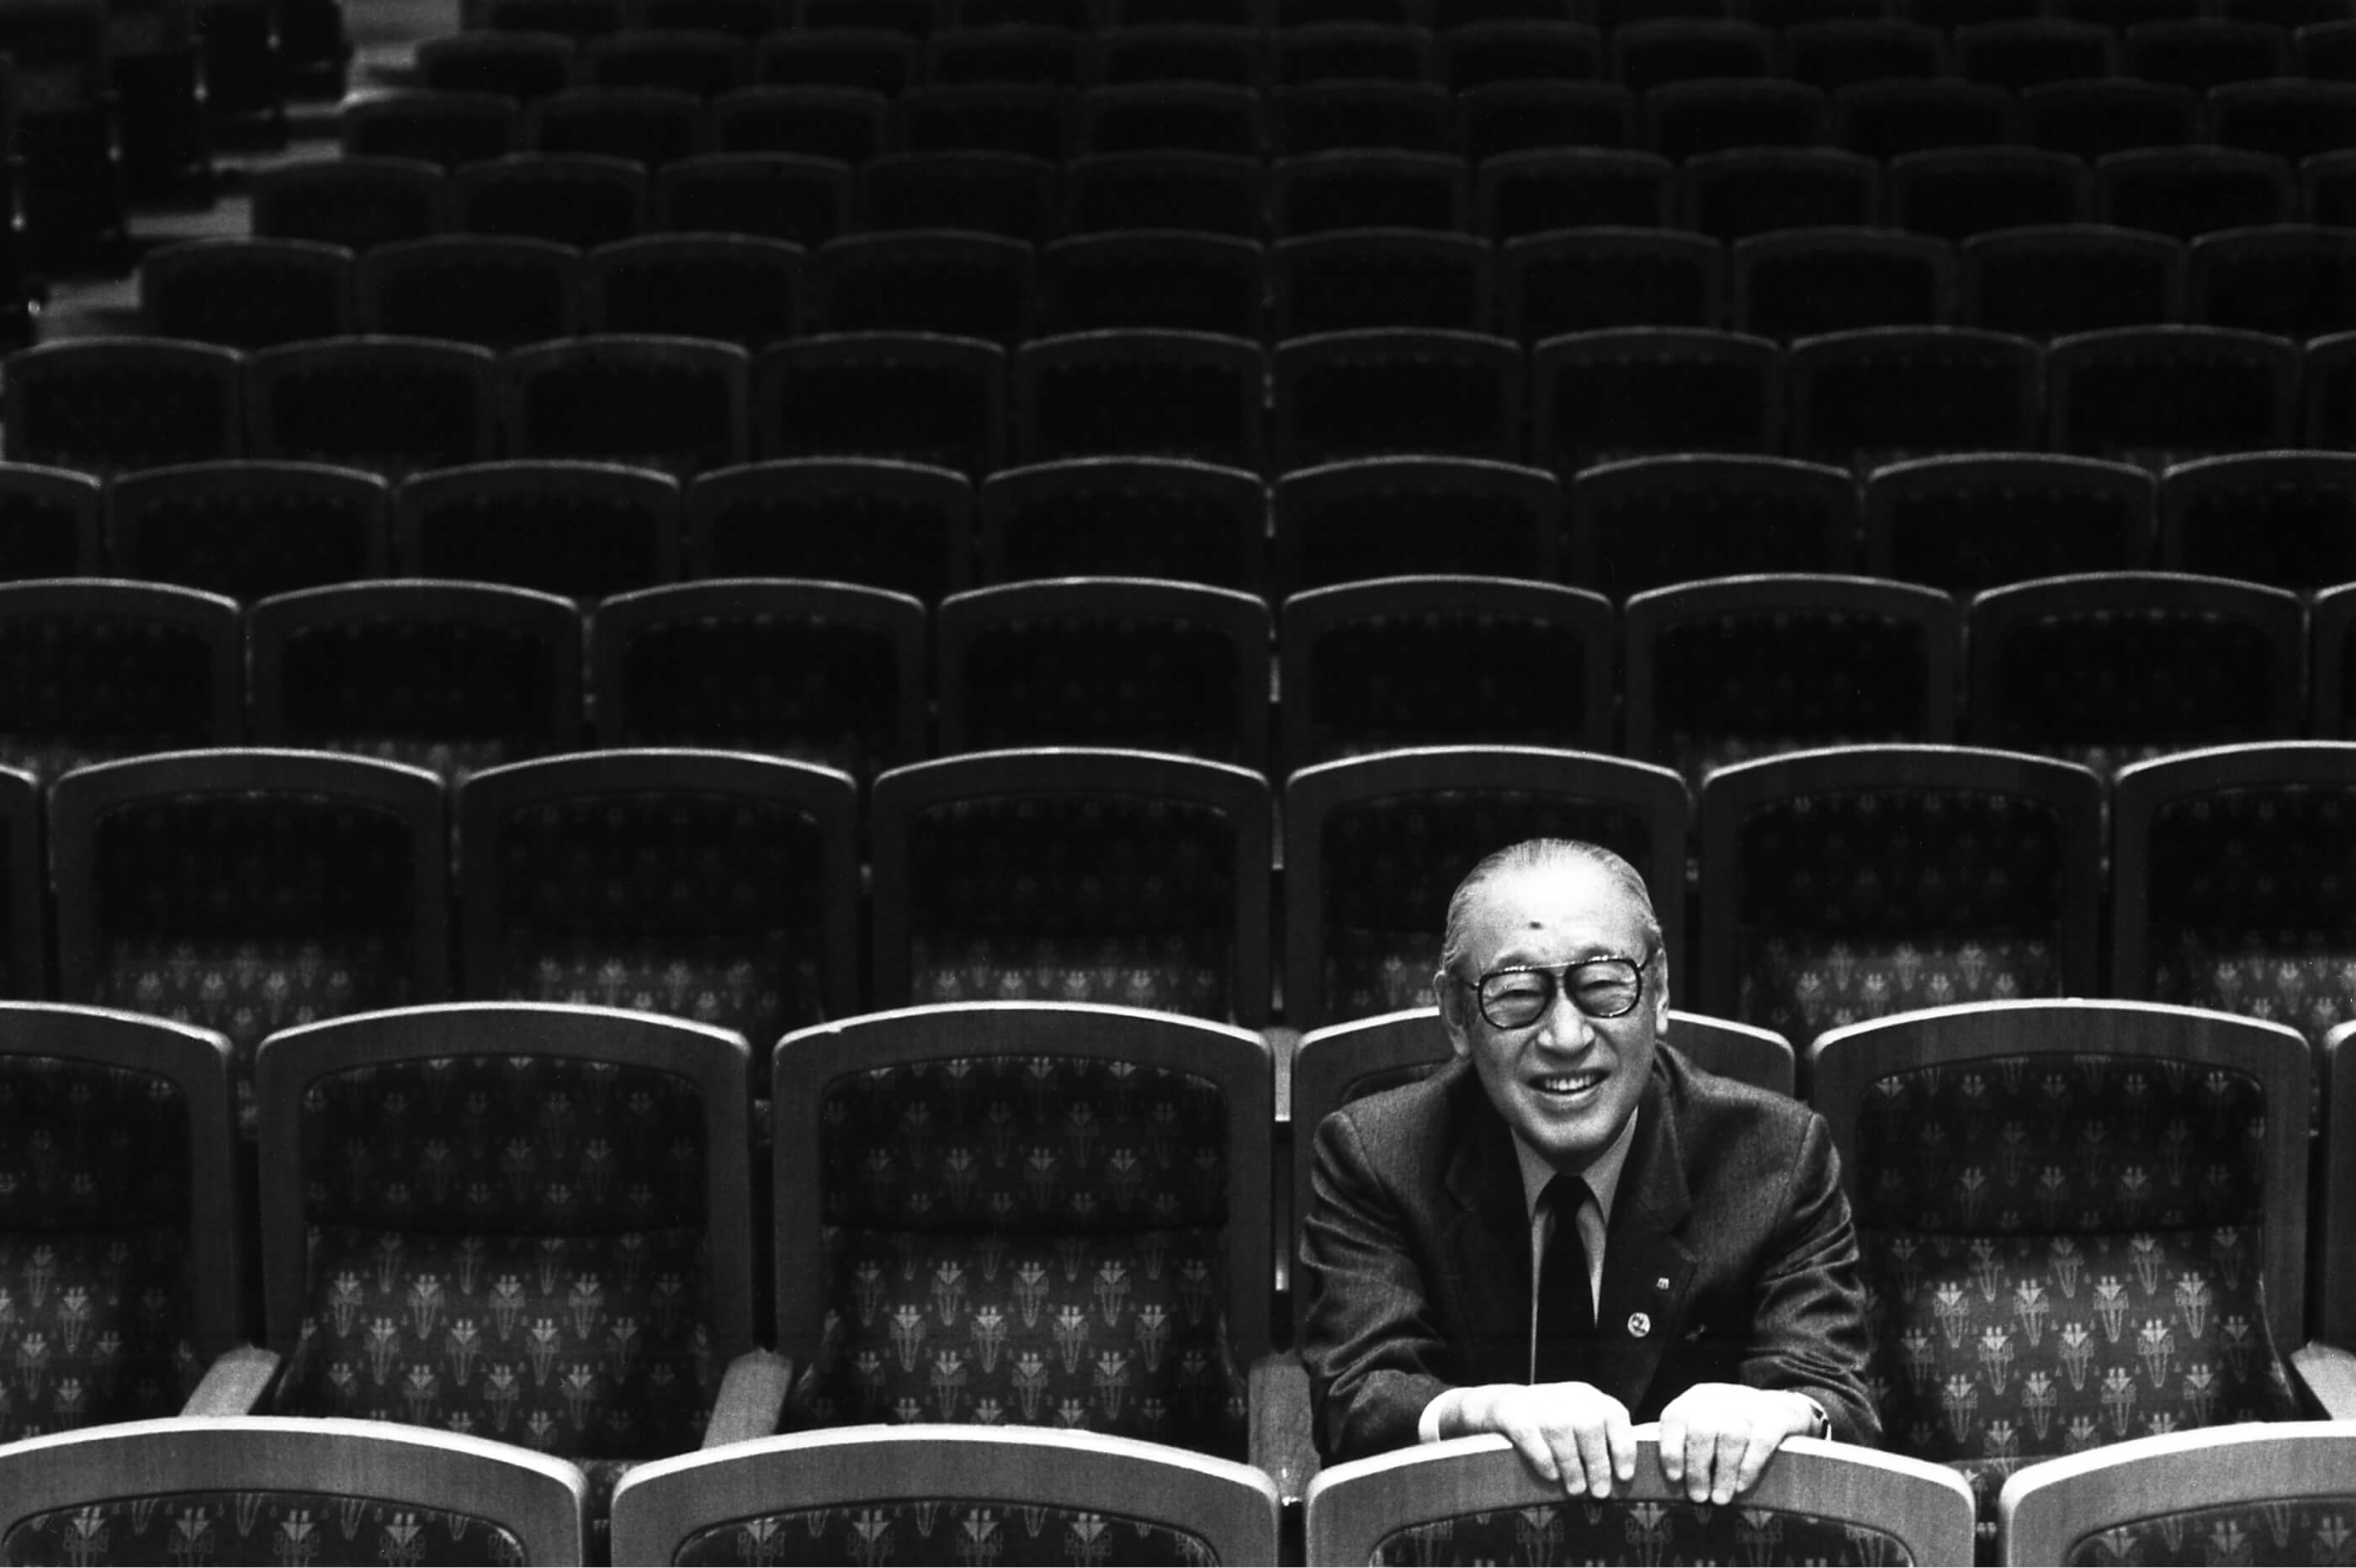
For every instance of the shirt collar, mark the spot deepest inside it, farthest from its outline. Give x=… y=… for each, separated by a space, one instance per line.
x=1602 y=1173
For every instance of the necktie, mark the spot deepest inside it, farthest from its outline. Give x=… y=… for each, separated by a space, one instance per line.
x=1566 y=1309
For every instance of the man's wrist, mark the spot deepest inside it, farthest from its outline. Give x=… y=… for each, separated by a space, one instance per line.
x=1815 y=1421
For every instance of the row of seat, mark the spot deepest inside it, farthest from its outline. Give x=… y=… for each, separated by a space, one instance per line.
x=2100 y=670
x=1881 y=121
x=1082 y=1204
x=1966 y=196
x=2195 y=55
x=249 y=890
x=2152 y=396
x=2289 y=281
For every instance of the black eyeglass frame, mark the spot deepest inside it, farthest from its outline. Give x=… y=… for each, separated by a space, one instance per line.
x=1557 y=976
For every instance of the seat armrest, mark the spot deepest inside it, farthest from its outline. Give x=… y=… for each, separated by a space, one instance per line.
x=235 y=1383
x=752 y=1398
x=2330 y=1374
x=1283 y=1443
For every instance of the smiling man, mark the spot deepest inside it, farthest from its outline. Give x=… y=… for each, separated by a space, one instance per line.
x=1571 y=1229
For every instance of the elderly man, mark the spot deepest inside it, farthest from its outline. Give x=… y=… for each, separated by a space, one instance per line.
x=1571 y=1229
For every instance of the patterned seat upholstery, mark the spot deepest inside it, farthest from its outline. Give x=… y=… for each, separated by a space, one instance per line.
x=581 y=530
x=1649 y=522
x=2075 y=1226
x=1472 y=1500
x=947 y=1496
x=710 y=886
x=1086 y=876
x=823 y=672
x=898 y=526
x=1043 y=1216
x=1966 y=523
x=329 y=1494
x=1420 y=661
x=104 y=405
x=1723 y=672
x=451 y=678
x=531 y=1224
x=1374 y=847
x=1843 y=885
x=2278 y=1493
x=2232 y=867
x=248 y=528
x=389 y=405
x=93 y=671
x=248 y=890
x=2110 y=669
x=117 y=1216
x=1159 y=666
x=1190 y=522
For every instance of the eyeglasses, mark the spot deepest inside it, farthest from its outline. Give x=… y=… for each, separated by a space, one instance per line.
x=1608 y=987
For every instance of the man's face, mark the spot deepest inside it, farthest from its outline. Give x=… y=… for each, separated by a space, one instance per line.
x=1567 y=1082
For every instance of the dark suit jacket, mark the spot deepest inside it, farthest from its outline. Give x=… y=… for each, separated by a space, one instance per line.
x=1728 y=1235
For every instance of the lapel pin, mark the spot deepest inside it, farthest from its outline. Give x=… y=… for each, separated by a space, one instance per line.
x=1640 y=1324
x=1662 y=1282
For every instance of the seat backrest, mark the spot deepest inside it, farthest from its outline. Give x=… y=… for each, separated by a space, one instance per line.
x=1473 y=1499
x=577 y=528
x=1398 y=515
x=1084 y=1194
x=1626 y=392
x=2287 y=519
x=825 y=672
x=914 y=396
x=1141 y=394
x=249 y=890
x=846 y=1494
x=2229 y=876
x=92 y=670
x=106 y=404
x=538 y=1218
x=1847 y=884
x=715 y=886
x=2111 y=668
x=389 y=405
x=249 y=528
x=1129 y=877
x=1377 y=390
x=649 y=400
x=49 y=522
x=1374 y=845
x=1722 y=671
x=451 y=677
x=253 y=1488
x=902 y=527
x=1652 y=521
x=497 y=290
x=1371 y=667
x=1141 y=517
x=743 y=289
x=119 y=1214
x=1105 y=661
x=1967 y=522
x=2079 y=1222
x=2277 y=1490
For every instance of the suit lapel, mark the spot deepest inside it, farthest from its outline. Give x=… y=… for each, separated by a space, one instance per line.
x=1487 y=1241
x=1647 y=1268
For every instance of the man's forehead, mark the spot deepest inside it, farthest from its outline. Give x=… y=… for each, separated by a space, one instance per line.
x=1570 y=898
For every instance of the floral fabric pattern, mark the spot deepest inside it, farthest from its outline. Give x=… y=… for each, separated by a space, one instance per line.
x=250 y=912
x=697 y=904
x=512 y=1247
x=2062 y=1251
x=448 y=695
x=1617 y=1531
x=946 y=1532
x=1753 y=684
x=2126 y=683
x=2251 y=895
x=794 y=685
x=1800 y=987
x=1030 y=1241
x=94 y=1304
x=1864 y=902
x=2289 y=1529
x=299 y=1529
x=1095 y=898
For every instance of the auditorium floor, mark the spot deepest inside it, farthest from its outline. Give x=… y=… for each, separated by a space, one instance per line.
x=382 y=32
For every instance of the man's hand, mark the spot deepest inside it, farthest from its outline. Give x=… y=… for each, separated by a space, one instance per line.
x=1718 y=1438
x=1571 y=1432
